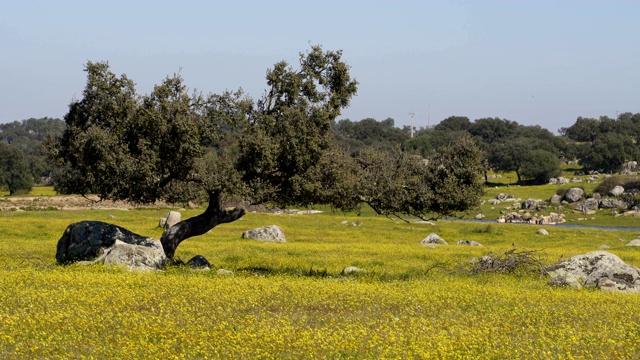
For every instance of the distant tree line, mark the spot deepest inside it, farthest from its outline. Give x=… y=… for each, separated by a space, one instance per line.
x=535 y=154
x=22 y=160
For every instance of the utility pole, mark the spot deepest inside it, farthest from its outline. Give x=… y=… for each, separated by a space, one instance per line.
x=412 y=115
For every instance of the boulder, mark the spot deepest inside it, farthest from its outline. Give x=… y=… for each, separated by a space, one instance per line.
x=199 y=262
x=616 y=191
x=574 y=195
x=634 y=242
x=588 y=204
x=86 y=240
x=468 y=243
x=136 y=257
x=599 y=269
x=271 y=233
x=433 y=239
x=543 y=232
x=555 y=199
x=612 y=204
x=172 y=218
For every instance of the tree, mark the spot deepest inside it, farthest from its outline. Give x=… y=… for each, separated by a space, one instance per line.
x=401 y=183
x=608 y=152
x=541 y=165
x=14 y=170
x=454 y=123
x=167 y=145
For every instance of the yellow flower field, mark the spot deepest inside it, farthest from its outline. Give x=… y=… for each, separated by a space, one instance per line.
x=289 y=301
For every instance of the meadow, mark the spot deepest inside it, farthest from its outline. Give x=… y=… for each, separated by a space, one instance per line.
x=291 y=301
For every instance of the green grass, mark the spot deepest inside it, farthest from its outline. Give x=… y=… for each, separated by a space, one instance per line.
x=290 y=301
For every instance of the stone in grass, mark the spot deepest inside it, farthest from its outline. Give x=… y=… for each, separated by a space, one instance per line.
x=351 y=270
x=224 y=272
x=271 y=233
x=433 y=239
x=542 y=232
x=468 y=243
x=634 y=242
x=199 y=262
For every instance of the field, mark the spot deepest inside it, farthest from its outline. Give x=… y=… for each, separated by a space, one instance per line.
x=290 y=301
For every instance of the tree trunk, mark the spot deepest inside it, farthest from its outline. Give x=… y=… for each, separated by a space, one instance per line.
x=214 y=215
x=518 y=174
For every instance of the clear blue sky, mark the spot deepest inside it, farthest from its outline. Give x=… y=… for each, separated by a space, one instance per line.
x=535 y=62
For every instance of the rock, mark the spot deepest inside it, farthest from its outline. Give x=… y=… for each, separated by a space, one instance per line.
x=565 y=280
x=542 y=232
x=162 y=222
x=494 y=201
x=588 y=204
x=604 y=247
x=503 y=197
x=555 y=199
x=172 y=218
x=351 y=270
x=433 y=239
x=616 y=191
x=345 y=222
x=612 y=204
x=356 y=223
x=599 y=269
x=271 y=233
x=634 y=242
x=468 y=243
x=199 y=262
x=86 y=240
x=136 y=257
x=573 y=195
x=224 y=272
x=558 y=181
x=529 y=204
x=479 y=217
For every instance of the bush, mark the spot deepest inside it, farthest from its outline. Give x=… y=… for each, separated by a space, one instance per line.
x=608 y=184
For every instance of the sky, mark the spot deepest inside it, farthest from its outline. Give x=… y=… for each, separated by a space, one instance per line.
x=534 y=62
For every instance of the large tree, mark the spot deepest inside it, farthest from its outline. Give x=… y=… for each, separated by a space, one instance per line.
x=178 y=146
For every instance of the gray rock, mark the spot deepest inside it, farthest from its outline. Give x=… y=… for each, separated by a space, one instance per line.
x=199 y=262
x=612 y=204
x=542 y=232
x=468 y=243
x=574 y=195
x=590 y=269
x=86 y=240
x=224 y=272
x=136 y=257
x=351 y=270
x=529 y=204
x=172 y=218
x=634 y=242
x=555 y=199
x=271 y=233
x=433 y=239
x=494 y=201
x=604 y=247
x=566 y=280
x=616 y=191
x=589 y=204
